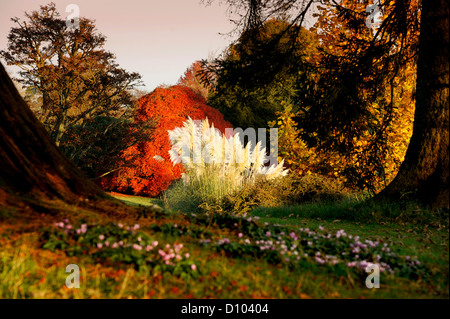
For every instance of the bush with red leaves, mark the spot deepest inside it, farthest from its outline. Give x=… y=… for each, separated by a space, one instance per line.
x=169 y=107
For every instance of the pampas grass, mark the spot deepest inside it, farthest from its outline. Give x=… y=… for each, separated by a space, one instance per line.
x=216 y=165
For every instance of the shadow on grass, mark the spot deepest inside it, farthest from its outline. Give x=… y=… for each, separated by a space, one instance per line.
x=366 y=212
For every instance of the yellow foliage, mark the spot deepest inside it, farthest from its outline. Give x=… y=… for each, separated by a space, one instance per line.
x=303 y=160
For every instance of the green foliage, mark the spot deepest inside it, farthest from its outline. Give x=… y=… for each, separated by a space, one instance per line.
x=262 y=193
x=96 y=146
x=247 y=100
x=118 y=243
x=361 y=211
x=181 y=198
x=293 y=247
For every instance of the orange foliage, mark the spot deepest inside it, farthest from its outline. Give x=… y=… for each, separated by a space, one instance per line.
x=170 y=107
x=192 y=79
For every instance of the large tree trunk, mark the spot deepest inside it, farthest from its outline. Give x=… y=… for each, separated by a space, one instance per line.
x=424 y=173
x=34 y=173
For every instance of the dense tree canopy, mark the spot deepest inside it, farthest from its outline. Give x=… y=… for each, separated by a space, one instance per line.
x=245 y=98
x=69 y=73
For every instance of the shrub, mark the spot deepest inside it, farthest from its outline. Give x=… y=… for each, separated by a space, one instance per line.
x=217 y=165
x=312 y=188
x=289 y=190
x=151 y=171
x=262 y=193
x=96 y=146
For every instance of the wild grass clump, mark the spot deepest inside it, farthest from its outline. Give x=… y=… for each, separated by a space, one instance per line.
x=215 y=165
x=286 y=191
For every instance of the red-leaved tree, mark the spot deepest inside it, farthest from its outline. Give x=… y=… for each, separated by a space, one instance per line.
x=152 y=171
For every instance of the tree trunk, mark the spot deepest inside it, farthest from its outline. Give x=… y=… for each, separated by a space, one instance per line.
x=424 y=173
x=33 y=171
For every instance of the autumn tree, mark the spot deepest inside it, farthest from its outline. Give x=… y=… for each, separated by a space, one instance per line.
x=358 y=79
x=367 y=152
x=151 y=170
x=192 y=78
x=73 y=76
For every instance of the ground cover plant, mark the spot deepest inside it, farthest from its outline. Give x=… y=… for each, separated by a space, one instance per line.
x=269 y=253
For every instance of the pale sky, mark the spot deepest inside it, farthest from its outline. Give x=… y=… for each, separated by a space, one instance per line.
x=159 y=39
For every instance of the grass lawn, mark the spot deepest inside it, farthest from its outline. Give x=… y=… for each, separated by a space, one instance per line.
x=183 y=255
x=138 y=200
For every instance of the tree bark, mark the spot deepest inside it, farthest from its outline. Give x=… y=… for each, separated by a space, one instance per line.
x=424 y=173
x=33 y=171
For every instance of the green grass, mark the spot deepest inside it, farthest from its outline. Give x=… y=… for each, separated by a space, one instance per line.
x=137 y=201
x=29 y=271
x=414 y=231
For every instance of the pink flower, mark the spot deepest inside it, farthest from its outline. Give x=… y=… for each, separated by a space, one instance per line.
x=148 y=248
x=193 y=267
x=107 y=243
x=137 y=247
x=99 y=245
x=114 y=246
x=101 y=237
x=155 y=243
x=240 y=235
x=186 y=255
